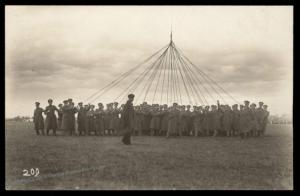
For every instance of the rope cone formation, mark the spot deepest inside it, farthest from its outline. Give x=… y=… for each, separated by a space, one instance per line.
x=165 y=77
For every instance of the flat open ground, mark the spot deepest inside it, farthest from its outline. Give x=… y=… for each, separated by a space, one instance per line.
x=94 y=162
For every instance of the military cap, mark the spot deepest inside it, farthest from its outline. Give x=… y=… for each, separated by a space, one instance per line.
x=253 y=104
x=246 y=101
x=50 y=100
x=100 y=104
x=116 y=103
x=70 y=99
x=260 y=103
x=60 y=104
x=37 y=103
x=131 y=96
x=80 y=103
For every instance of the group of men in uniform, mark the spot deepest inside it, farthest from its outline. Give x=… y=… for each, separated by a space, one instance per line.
x=89 y=120
x=156 y=120
x=222 y=120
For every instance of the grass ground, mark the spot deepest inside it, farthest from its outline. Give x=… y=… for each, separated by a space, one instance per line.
x=94 y=162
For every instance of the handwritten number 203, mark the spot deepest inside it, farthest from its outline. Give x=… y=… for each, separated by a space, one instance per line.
x=31 y=172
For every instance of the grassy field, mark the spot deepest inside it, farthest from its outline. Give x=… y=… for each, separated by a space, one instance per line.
x=66 y=162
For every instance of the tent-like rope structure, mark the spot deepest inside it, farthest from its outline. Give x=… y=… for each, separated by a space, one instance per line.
x=165 y=77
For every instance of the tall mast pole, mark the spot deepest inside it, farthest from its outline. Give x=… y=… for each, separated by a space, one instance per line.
x=171 y=38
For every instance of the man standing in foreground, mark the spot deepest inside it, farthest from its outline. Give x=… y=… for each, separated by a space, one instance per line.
x=51 y=120
x=127 y=120
x=38 y=119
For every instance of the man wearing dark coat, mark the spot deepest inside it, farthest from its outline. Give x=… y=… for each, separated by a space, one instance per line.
x=260 y=114
x=99 y=120
x=66 y=119
x=127 y=120
x=265 y=121
x=38 y=119
x=81 y=119
x=73 y=112
x=60 y=115
x=235 y=119
x=51 y=120
x=246 y=120
x=90 y=121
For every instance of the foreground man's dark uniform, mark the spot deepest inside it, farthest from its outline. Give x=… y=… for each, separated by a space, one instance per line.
x=51 y=120
x=127 y=120
x=38 y=119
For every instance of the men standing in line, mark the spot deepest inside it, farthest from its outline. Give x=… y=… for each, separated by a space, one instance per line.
x=51 y=120
x=188 y=120
x=182 y=122
x=197 y=118
x=127 y=120
x=227 y=121
x=246 y=120
x=90 y=123
x=155 y=120
x=235 y=120
x=137 y=121
x=73 y=112
x=173 y=121
x=114 y=120
x=99 y=120
x=81 y=116
x=107 y=117
x=206 y=121
x=164 y=120
x=254 y=130
x=216 y=116
x=38 y=119
x=66 y=118
x=60 y=114
x=260 y=114
x=265 y=121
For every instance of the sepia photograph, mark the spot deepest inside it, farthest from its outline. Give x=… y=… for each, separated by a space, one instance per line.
x=148 y=97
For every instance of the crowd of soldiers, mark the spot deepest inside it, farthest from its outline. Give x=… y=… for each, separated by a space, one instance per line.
x=155 y=120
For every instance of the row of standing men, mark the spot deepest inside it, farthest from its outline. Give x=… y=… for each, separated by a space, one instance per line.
x=156 y=120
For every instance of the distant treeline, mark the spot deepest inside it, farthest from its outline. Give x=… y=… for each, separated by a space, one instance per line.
x=20 y=119
x=284 y=119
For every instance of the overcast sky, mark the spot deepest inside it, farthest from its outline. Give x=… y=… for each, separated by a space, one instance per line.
x=71 y=51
